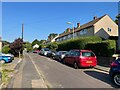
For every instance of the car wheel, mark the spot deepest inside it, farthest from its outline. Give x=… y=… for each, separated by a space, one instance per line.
x=75 y=65
x=116 y=79
x=59 y=59
x=2 y=62
x=63 y=61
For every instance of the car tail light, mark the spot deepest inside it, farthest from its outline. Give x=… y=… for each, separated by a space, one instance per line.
x=113 y=64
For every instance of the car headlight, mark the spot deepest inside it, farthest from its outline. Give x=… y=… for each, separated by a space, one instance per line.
x=8 y=57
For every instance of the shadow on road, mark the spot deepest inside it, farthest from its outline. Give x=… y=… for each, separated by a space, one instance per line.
x=101 y=76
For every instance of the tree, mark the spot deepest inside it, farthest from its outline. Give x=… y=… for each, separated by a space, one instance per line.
x=28 y=46
x=51 y=36
x=6 y=49
x=16 y=47
x=35 y=42
x=52 y=46
x=5 y=43
x=42 y=41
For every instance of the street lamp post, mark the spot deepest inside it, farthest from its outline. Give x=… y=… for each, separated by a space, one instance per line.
x=72 y=26
x=118 y=31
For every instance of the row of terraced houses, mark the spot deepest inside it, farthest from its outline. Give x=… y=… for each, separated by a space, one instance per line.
x=103 y=26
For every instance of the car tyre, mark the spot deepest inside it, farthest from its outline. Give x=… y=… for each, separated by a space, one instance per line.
x=76 y=65
x=63 y=61
x=116 y=79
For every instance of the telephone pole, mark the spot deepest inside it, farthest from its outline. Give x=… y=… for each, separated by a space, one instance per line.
x=22 y=30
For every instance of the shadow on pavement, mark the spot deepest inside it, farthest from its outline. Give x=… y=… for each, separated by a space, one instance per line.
x=101 y=76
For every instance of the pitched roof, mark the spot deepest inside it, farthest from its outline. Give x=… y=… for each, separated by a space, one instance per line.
x=89 y=24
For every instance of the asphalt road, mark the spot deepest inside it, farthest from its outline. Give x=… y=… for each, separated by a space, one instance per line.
x=41 y=72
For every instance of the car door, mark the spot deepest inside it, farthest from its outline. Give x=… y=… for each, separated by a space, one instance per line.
x=67 y=57
x=72 y=57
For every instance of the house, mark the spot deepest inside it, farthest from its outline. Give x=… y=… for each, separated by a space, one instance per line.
x=35 y=46
x=103 y=26
x=0 y=44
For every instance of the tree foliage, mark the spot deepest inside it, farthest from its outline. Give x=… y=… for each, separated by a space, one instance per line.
x=35 y=42
x=51 y=36
x=52 y=46
x=16 y=47
x=6 y=49
x=28 y=46
x=5 y=43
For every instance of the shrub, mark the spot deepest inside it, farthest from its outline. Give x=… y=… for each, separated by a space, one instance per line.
x=6 y=49
x=104 y=48
x=77 y=43
x=52 y=46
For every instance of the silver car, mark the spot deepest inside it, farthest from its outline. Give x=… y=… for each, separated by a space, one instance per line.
x=44 y=51
x=60 y=55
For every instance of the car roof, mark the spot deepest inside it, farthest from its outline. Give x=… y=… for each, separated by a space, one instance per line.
x=82 y=50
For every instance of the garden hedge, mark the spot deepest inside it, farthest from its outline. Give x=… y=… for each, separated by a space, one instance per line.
x=105 y=48
x=77 y=43
x=94 y=43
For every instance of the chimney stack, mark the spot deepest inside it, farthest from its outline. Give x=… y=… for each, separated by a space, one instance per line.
x=78 y=25
x=68 y=29
x=95 y=17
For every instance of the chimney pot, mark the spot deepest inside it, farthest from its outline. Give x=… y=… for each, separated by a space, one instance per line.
x=78 y=25
x=95 y=17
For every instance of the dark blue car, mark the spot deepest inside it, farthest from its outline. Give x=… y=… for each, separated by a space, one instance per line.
x=5 y=59
x=115 y=71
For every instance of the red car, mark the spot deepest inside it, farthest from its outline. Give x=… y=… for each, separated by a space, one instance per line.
x=36 y=51
x=80 y=58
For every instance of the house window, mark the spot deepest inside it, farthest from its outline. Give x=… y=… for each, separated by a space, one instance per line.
x=64 y=37
x=57 y=40
x=85 y=31
x=75 y=34
x=109 y=29
x=60 y=39
x=81 y=32
x=69 y=36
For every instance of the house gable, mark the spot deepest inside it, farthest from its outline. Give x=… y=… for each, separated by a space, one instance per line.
x=107 y=25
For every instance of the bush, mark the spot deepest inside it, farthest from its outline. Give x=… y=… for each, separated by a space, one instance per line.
x=52 y=46
x=77 y=43
x=6 y=49
x=104 y=48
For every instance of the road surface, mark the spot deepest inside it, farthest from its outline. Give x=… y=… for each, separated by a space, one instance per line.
x=41 y=72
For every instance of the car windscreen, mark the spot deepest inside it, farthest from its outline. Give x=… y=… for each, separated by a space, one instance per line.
x=63 y=52
x=46 y=49
x=88 y=54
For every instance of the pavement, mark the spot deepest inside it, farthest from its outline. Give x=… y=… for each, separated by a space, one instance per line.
x=102 y=68
x=12 y=65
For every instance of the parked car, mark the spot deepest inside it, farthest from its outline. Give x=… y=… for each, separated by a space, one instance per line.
x=80 y=58
x=44 y=51
x=5 y=59
x=11 y=55
x=36 y=51
x=60 y=55
x=51 y=54
x=114 y=71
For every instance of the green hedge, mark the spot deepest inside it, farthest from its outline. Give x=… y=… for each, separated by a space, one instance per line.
x=77 y=43
x=104 y=48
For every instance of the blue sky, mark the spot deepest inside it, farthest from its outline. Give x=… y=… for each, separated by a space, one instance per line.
x=42 y=18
